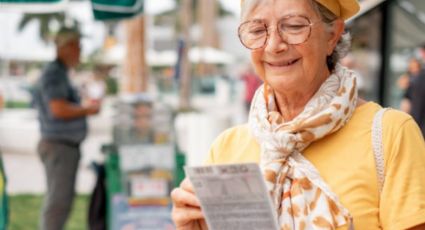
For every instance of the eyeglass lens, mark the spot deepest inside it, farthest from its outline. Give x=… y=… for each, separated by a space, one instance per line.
x=293 y=30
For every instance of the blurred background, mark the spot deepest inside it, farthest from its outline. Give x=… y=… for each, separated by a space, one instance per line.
x=183 y=61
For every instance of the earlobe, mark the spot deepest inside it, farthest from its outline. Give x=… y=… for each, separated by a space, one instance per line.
x=337 y=31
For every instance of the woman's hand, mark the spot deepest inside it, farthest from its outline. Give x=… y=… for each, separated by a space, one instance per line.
x=187 y=214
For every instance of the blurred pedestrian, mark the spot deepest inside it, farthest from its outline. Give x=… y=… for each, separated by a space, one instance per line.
x=312 y=136
x=63 y=127
x=415 y=98
x=413 y=69
x=403 y=82
x=252 y=82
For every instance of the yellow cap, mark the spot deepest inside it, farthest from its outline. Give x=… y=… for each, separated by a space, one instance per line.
x=344 y=9
x=341 y=8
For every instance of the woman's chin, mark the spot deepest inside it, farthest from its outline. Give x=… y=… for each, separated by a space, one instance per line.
x=284 y=83
x=282 y=76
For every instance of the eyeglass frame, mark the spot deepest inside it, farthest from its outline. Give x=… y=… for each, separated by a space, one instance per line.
x=277 y=28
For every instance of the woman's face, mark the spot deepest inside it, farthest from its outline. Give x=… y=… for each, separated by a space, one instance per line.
x=293 y=68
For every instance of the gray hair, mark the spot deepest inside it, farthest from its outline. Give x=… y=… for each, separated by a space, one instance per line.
x=344 y=44
x=66 y=35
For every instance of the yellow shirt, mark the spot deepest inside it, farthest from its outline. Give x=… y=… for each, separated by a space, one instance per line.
x=346 y=162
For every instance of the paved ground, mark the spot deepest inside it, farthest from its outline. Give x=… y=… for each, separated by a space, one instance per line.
x=25 y=172
x=19 y=136
x=25 y=175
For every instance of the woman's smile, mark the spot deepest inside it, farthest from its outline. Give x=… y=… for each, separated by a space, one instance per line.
x=281 y=66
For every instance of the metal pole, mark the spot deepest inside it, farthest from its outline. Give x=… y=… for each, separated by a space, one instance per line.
x=185 y=76
x=386 y=50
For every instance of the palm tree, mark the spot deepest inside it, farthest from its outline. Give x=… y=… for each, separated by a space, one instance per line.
x=46 y=20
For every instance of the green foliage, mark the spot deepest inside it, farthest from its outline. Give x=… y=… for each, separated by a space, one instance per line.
x=17 y=104
x=111 y=86
x=25 y=212
x=45 y=19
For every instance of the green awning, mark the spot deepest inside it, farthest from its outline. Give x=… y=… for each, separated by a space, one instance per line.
x=116 y=9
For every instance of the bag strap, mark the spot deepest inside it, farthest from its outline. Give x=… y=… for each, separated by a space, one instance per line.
x=378 y=147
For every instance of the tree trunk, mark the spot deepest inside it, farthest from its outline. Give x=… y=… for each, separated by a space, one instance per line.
x=136 y=72
x=207 y=15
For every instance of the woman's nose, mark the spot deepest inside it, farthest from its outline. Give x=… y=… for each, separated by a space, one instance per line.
x=275 y=43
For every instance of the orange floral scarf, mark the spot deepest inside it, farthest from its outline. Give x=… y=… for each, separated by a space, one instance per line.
x=301 y=198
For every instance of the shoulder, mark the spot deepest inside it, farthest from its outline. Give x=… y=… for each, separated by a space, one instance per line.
x=396 y=125
x=392 y=117
x=395 y=121
x=235 y=144
x=53 y=70
x=402 y=139
x=234 y=135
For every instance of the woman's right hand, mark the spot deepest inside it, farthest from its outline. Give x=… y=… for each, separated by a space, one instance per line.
x=186 y=213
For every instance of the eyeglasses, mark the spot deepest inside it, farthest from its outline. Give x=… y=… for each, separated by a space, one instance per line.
x=293 y=29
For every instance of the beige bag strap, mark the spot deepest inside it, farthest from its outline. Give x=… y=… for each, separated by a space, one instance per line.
x=378 y=147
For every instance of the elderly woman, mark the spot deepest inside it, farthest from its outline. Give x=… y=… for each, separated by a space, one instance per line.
x=310 y=132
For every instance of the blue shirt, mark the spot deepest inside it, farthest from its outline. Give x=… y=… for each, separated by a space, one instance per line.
x=54 y=84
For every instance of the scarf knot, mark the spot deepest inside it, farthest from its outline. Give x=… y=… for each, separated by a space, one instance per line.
x=281 y=144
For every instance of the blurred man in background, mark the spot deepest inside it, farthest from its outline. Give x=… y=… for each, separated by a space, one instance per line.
x=252 y=82
x=63 y=127
x=416 y=94
x=405 y=80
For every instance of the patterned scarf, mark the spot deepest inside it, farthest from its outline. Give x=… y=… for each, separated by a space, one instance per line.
x=301 y=198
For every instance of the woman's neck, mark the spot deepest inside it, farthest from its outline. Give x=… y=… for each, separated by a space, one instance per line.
x=289 y=106
x=290 y=103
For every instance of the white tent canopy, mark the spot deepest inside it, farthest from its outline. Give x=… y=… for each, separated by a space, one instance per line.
x=116 y=55
x=209 y=55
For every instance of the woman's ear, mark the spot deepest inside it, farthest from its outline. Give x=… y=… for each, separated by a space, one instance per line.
x=335 y=34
